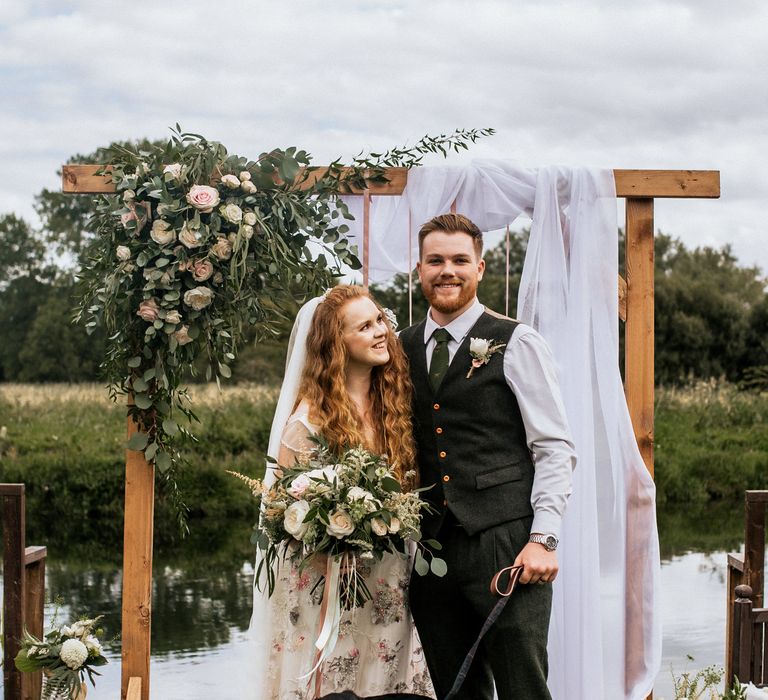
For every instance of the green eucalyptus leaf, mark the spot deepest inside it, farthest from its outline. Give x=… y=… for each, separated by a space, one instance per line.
x=134 y=361
x=142 y=401
x=170 y=427
x=438 y=567
x=137 y=441
x=139 y=384
x=420 y=564
x=149 y=453
x=163 y=461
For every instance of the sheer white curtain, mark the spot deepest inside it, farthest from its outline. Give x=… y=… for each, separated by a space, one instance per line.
x=605 y=636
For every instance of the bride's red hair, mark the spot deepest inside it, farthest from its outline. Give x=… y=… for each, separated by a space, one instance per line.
x=323 y=387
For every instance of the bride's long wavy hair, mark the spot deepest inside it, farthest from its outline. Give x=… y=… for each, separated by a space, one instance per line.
x=331 y=409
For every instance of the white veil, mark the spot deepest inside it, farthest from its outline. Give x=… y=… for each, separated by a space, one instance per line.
x=260 y=629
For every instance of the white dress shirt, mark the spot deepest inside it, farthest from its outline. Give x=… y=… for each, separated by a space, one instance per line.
x=529 y=369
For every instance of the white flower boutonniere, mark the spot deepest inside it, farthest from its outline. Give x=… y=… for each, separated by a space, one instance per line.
x=482 y=350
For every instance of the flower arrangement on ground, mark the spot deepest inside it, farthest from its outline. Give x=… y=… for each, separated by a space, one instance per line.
x=65 y=656
x=349 y=509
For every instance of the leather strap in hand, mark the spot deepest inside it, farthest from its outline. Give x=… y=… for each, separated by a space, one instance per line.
x=514 y=576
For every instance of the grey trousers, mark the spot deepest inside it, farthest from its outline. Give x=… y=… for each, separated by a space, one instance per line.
x=450 y=611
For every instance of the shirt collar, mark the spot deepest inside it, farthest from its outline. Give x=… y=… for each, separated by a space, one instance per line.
x=460 y=326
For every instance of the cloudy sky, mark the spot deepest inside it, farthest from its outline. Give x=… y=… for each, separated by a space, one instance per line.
x=601 y=82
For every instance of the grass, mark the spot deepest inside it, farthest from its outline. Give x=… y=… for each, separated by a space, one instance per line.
x=66 y=443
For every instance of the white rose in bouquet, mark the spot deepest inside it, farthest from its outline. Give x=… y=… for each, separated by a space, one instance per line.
x=340 y=524
x=478 y=346
x=300 y=485
x=73 y=653
x=359 y=494
x=162 y=232
x=394 y=525
x=247 y=232
x=230 y=181
x=379 y=527
x=128 y=195
x=232 y=213
x=248 y=187
x=123 y=253
x=203 y=198
x=245 y=175
x=326 y=474
x=93 y=645
x=249 y=218
x=198 y=298
x=293 y=519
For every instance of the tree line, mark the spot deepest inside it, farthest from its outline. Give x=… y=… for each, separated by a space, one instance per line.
x=711 y=312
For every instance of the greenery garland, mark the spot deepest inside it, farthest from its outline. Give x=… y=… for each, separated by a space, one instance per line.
x=197 y=245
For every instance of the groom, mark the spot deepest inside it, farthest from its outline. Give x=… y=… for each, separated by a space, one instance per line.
x=493 y=442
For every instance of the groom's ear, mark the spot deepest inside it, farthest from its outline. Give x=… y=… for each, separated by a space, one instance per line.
x=480 y=269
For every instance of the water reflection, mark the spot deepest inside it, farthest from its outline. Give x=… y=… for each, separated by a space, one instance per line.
x=202 y=601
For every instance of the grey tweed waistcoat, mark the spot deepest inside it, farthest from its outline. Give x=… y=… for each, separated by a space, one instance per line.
x=470 y=436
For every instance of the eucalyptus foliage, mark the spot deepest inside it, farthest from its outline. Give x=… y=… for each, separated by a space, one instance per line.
x=197 y=245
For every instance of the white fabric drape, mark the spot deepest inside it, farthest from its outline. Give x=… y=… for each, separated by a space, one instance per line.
x=605 y=635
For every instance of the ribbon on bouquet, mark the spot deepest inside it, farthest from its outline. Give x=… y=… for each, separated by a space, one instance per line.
x=330 y=618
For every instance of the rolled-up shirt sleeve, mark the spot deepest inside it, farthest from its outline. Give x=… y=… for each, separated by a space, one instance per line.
x=529 y=369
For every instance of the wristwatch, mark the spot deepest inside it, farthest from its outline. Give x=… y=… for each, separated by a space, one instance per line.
x=549 y=541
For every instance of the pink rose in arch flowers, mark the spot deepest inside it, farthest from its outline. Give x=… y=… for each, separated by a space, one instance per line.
x=203 y=198
x=148 y=310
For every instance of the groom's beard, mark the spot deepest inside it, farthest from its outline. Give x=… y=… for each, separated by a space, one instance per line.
x=467 y=292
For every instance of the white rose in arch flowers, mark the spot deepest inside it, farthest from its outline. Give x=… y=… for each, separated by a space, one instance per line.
x=202 y=270
x=162 y=232
x=231 y=181
x=222 y=249
x=232 y=213
x=340 y=524
x=123 y=253
x=203 y=198
x=190 y=237
x=182 y=335
x=174 y=169
x=198 y=298
x=245 y=175
x=293 y=519
x=173 y=317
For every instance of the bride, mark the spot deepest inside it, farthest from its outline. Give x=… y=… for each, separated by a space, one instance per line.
x=347 y=380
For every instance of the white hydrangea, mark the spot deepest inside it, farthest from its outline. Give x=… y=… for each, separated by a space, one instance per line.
x=73 y=653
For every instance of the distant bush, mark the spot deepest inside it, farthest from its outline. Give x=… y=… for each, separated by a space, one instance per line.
x=711 y=443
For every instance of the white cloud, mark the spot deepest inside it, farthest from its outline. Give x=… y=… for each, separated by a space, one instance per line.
x=667 y=84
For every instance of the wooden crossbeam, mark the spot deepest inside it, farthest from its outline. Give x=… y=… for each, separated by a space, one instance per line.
x=82 y=179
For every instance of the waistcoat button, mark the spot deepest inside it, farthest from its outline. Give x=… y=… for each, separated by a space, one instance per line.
x=442 y=455
x=446 y=478
x=439 y=431
x=436 y=406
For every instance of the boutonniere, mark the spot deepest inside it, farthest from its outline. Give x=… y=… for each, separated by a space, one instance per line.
x=482 y=350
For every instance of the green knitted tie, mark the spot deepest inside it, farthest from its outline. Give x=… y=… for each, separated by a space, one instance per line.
x=439 y=365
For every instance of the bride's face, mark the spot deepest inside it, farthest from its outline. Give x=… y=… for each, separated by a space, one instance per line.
x=364 y=332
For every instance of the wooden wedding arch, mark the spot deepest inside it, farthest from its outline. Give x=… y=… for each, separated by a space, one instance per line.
x=636 y=307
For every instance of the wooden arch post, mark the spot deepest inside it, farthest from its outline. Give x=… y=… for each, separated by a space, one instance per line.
x=638 y=187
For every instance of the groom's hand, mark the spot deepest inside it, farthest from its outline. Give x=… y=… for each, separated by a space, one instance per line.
x=539 y=564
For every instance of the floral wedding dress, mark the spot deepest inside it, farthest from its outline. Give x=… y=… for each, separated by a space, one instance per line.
x=378 y=650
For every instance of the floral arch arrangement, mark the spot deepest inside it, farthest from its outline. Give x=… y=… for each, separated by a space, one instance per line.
x=196 y=245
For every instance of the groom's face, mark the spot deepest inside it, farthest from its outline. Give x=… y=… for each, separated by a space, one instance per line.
x=449 y=270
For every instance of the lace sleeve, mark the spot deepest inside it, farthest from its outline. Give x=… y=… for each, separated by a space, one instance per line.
x=295 y=443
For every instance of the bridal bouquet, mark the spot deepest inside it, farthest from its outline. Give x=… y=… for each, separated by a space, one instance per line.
x=348 y=508
x=65 y=656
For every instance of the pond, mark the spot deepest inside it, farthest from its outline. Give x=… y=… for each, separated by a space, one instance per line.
x=202 y=601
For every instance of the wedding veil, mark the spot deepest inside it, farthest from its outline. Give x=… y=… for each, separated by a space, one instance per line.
x=259 y=631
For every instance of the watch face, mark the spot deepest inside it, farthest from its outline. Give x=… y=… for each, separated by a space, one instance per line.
x=551 y=542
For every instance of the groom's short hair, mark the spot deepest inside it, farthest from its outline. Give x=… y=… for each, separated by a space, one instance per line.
x=452 y=223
